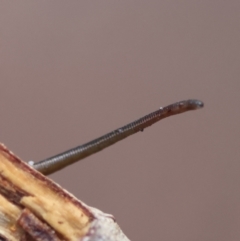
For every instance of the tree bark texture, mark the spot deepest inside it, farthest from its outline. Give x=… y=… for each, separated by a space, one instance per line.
x=33 y=207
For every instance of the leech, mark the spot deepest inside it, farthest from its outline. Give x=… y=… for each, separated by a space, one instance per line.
x=55 y=163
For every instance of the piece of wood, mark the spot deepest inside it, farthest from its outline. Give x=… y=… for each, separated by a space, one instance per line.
x=33 y=207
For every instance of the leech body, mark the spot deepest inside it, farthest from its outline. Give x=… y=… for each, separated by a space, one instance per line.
x=64 y=159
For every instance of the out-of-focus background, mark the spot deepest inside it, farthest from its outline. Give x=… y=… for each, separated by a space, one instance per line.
x=71 y=71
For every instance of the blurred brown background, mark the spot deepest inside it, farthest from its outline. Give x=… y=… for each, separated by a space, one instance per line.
x=71 y=71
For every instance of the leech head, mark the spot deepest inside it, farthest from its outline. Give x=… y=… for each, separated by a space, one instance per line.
x=183 y=106
x=195 y=104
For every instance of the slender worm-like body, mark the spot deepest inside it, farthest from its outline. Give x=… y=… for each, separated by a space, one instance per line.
x=55 y=163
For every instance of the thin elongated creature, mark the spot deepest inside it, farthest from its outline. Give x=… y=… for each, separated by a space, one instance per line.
x=55 y=163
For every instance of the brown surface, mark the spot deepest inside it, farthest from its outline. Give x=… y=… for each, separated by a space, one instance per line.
x=9 y=229
x=38 y=230
x=73 y=71
x=46 y=208
x=48 y=201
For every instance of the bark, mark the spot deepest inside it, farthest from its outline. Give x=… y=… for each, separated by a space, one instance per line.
x=33 y=207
